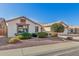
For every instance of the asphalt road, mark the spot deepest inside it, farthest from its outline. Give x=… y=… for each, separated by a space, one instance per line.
x=74 y=53
x=68 y=52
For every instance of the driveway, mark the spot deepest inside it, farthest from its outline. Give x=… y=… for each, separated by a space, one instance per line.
x=3 y=40
x=74 y=36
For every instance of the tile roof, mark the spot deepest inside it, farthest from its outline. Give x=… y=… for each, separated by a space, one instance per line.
x=49 y=24
x=24 y=18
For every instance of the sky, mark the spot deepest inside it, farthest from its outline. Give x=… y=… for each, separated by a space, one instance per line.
x=42 y=12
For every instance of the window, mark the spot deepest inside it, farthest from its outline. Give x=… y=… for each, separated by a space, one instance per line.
x=36 y=28
x=22 y=20
x=71 y=30
x=19 y=29
x=22 y=28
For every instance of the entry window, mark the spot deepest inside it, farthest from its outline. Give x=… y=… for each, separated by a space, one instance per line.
x=22 y=28
x=36 y=28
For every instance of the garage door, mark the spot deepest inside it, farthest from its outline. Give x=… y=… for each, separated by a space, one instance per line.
x=2 y=32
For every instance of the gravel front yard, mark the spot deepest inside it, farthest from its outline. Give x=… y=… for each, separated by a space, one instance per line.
x=31 y=42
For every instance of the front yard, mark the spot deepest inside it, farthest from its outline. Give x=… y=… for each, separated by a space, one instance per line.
x=31 y=42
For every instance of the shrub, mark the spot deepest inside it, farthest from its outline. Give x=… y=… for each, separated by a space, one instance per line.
x=20 y=36
x=24 y=36
x=34 y=34
x=69 y=38
x=57 y=27
x=13 y=40
x=42 y=34
x=16 y=34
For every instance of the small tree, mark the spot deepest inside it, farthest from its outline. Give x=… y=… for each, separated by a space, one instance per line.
x=57 y=27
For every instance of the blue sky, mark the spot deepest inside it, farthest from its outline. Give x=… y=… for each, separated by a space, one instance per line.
x=43 y=13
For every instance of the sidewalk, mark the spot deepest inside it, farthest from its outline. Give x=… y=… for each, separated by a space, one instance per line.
x=38 y=50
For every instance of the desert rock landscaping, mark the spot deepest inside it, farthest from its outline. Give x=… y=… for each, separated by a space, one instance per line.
x=30 y=43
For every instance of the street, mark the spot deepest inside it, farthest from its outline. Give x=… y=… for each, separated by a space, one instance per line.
x=69 y=48
x=73 y=53
x=66 y=52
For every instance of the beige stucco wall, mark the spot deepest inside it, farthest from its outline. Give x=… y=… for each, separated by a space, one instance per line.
x=12 y=27
x=47 y=29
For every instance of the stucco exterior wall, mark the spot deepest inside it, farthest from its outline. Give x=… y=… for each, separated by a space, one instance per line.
x=47 y=29
x=32 y=27
x=12 y=27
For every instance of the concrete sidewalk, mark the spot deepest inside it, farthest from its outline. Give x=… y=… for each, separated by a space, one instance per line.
x=38 y=50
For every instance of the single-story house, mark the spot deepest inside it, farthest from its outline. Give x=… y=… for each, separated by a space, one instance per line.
x=68 y=29
x=19 y=25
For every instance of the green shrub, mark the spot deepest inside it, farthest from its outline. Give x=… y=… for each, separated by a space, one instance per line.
x=13 y=40
x=42 y=34
x=57 y=27
x=24 y=36
x=34 y=34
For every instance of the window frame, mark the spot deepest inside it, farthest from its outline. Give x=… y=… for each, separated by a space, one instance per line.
x=36 y=28
x=26 y=29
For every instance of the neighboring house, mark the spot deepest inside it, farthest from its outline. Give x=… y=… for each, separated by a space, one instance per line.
x=73 y=30
x=22 y=24
x=68 y=29
x=47 y=27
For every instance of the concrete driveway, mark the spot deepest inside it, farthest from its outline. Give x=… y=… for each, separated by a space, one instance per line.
x=3 y=40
